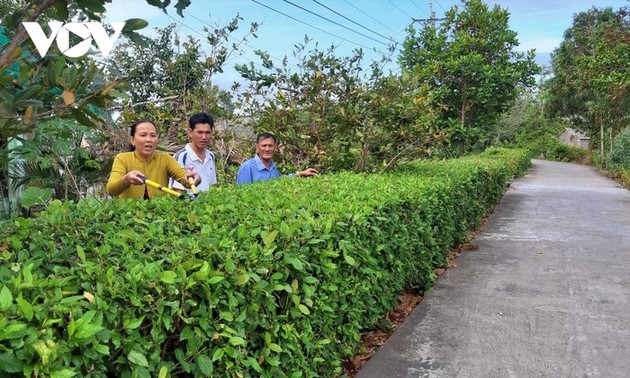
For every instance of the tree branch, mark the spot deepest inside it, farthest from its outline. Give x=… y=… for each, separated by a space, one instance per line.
x=393 y=160
x=145 y=102
x=15 y=41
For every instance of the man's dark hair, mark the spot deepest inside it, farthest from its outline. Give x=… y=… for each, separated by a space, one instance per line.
x=198 y=118
x=262 y=136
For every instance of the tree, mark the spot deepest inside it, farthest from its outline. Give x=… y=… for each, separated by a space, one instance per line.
x=167 y=70
x=35 y=89
x=525 y=126
x=329 y=113
x=525 y=114
x=168 y=79
x=470 y=64
x=62 y=155
x=591 y=78
x=32 y=89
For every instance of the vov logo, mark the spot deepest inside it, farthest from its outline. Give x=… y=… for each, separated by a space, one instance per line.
x=61 y=33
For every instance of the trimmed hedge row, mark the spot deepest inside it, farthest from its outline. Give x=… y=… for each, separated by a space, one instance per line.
x=275 y=279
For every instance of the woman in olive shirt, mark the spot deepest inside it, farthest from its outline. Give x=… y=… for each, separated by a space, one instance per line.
x=130 y=168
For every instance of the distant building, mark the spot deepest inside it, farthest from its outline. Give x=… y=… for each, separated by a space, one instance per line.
x=575 y=138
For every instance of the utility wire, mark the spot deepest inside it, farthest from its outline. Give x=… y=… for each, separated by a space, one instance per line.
x=376 y=20
x=419 y=7
x=229 y=36
x=198 y=33
x=184 y=25
x=334 y=22
x=440 y=5
x=356 y=23
x=314 y=27
x=390 y=1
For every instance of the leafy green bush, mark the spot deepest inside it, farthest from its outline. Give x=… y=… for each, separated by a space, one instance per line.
x=562 y=152
x=275 y=279
x=525 y=126
x=620 y=155
x=624 y=177
x=548 y=147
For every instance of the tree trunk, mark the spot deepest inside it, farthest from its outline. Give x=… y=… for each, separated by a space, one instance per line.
x=4 y=164
x=601 y=137
x=4 y=178
x=462 y=113
x=611 y=140
x=21 y=33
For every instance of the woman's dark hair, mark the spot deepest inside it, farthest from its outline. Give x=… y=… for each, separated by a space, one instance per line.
x=262 y=136
x=132 y=130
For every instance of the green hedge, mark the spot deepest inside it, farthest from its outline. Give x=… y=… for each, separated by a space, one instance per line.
x=270 y=280
x=620 y=156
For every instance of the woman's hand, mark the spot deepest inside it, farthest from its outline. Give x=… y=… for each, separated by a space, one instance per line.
x=133 y=178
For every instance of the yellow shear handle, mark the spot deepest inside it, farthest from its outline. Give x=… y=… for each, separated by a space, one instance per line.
x=193 y=188
x=162 y=188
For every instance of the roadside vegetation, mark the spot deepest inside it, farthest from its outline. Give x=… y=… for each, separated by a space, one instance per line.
x=279 y=278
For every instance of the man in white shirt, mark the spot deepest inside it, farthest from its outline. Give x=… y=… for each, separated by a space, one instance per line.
x=196 y=153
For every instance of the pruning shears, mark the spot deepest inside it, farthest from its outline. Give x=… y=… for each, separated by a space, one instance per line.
x=193 y=187
x=191 y=181
x=182 y=195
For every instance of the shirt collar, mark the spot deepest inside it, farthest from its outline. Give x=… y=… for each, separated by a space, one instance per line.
x=150 y=159
x=261 y=166
x=193 y=156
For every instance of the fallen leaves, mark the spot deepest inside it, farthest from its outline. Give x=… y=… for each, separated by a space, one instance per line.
x=371 y=341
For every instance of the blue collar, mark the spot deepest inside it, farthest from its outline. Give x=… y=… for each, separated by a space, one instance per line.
x=260 y=166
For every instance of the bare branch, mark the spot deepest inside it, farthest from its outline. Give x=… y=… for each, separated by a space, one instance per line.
x=168 y=98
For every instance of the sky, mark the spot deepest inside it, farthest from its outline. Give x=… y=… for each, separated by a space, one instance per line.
x=348 y=24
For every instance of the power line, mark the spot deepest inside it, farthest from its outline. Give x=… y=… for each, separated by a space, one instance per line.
x=198 y=33
x=407 y=14
x=376 y=20
x=334 y=22
x=184 y=25
x=431 y=18
x=356 y=23
x=440 y=5
x=230 y=37
x=309 y=25
x=419 y=7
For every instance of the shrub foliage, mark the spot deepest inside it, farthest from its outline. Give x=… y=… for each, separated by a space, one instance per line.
x=271 y=280
x=620 y=155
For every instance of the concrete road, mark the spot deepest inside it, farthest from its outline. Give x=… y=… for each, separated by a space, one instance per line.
x=547 y=294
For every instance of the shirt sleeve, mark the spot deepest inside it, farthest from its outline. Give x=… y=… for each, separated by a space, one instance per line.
x=244 y=175
x=172 y=182
x=176 y=171
x=176 y=185
x=115 y=184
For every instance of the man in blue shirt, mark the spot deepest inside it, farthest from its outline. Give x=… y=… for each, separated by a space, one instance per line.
x=261 y=166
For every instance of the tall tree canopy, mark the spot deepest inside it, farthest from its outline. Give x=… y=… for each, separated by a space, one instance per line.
x=331 y=114
x=591 y=71
x=471 y=65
